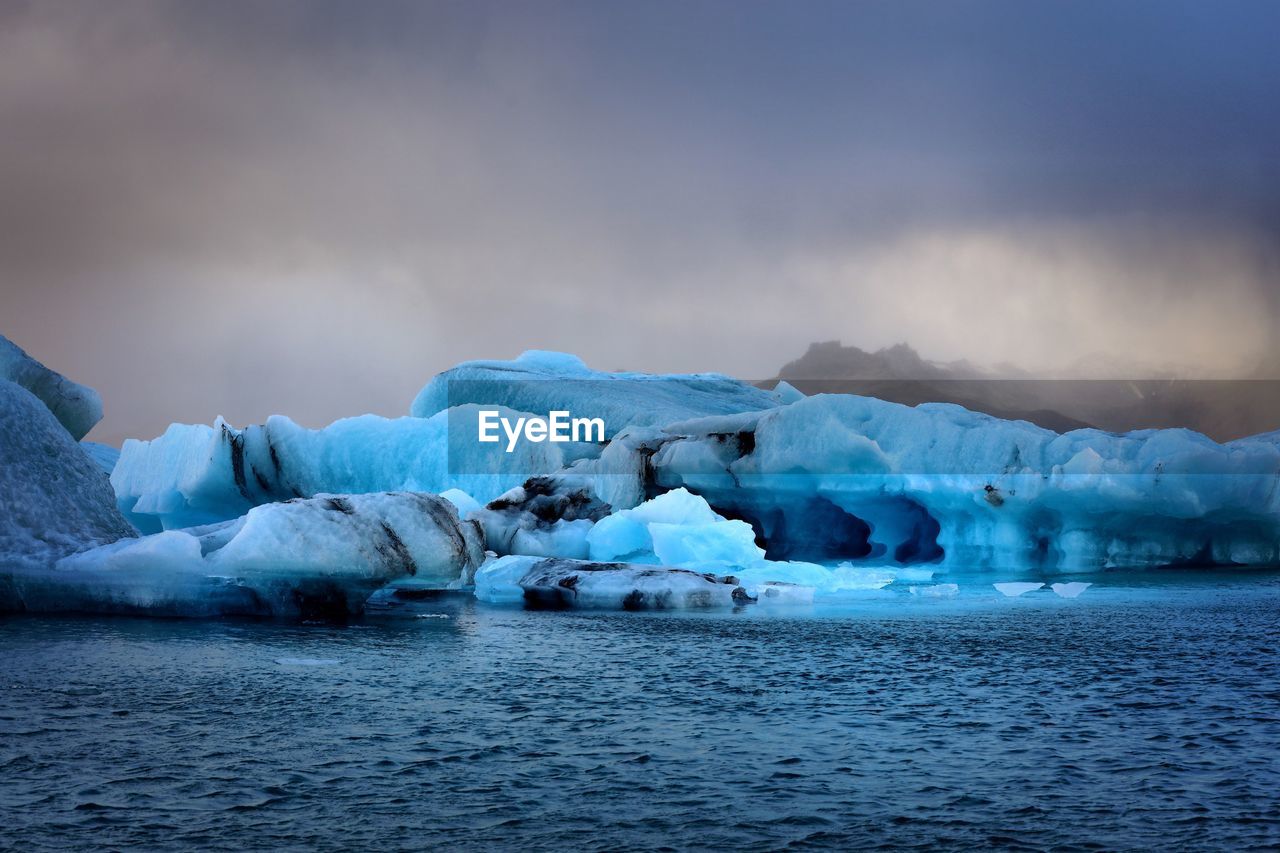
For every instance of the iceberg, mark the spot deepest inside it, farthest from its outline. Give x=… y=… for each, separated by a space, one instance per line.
x=793 y=496
x=54 y=499
x=317 y=558
x=835 y=477
x=558 y=584
x=200 y=474
x=77 y=407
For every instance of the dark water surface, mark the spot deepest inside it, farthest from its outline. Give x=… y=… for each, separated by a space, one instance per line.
x=1132 y=717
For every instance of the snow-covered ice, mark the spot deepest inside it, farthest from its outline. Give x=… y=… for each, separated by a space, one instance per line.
x=542 y=382
x=320 y=557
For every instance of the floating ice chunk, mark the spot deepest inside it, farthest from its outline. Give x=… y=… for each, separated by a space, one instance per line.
x=824 y=581
x=1070 y=590
x=316 y=558
x=937 y=590
x=557 y=584
x=1014 y=589
x=77 y=407
x=794 y=572
x=782 y=594
x=53 y=498
x=852 y=578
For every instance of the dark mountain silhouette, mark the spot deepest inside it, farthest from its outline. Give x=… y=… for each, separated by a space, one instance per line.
x=1220 y=408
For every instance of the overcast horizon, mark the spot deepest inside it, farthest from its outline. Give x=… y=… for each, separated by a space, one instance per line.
x=310 y=208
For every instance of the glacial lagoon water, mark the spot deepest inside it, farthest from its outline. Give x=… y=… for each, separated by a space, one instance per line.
x=1145 y=713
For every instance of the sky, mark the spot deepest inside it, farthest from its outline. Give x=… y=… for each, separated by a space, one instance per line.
x=310 y=207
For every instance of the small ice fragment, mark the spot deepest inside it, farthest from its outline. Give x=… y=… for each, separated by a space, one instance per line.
x=432 y=616
x=1016 y=588
x=306 y=661
x=1070 y=590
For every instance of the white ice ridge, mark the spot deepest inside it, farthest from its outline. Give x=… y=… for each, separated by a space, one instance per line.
x=77 y=407
x=318 y=558
x=542 y=382
x=53 y=498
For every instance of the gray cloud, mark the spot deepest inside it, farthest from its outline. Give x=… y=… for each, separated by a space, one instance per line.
x=310 y=207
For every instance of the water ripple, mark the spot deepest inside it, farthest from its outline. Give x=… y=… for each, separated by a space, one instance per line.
x=1096 y=723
